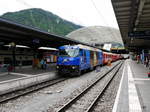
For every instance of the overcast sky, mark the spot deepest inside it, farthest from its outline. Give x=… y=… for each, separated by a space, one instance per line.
x=83 y=12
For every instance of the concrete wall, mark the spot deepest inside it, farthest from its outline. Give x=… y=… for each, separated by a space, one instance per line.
x=15 y=84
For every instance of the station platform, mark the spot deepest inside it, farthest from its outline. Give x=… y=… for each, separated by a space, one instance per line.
x=7 y=76
x=134 y=90
x=30 y=71
x=26 y=71
x=24 y=77
x=15 y=81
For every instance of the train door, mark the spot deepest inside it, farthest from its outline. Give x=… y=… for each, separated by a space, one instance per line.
x=104 y=58
x=85 y=63
x=87 y=59
x=92 y=59
x=84 y=60
x=95 y=59
x=100 y=58
x=81 y=59
x=84 y=55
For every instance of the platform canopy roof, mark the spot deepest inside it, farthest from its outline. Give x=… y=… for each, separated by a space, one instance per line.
x=133 y=17
x=31 y=37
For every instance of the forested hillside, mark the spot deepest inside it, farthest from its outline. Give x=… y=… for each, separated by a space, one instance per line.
x=43 y=20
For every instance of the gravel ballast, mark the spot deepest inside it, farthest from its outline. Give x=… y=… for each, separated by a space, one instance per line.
x=106 y=102
x=52 y=98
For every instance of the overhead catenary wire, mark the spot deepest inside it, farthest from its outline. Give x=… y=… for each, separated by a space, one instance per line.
x=31 y=13
x=101 y=16
x=30 y=6
x=81 y=23
x=91 y=33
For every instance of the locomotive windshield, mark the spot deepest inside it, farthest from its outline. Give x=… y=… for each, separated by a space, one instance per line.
x=69 y=52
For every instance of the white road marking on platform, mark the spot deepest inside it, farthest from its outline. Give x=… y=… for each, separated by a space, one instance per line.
x=20 y=74
x=142 y=79
x=5 y=73
x=31 y=74
x=134 y=104
x=118 y=93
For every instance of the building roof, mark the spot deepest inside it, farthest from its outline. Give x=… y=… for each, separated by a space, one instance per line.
x=31 y=37
x=133 y=17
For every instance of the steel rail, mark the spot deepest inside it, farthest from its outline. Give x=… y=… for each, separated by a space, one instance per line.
x=15 y=94
x=68 y=104
x=91 y=107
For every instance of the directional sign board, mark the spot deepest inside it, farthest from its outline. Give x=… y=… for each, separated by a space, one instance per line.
x=139 y=34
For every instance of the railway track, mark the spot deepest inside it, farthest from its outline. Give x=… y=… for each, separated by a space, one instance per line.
x=86 y=100
x=27 y=90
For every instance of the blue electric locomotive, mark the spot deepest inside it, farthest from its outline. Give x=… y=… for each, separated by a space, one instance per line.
x=76 y=58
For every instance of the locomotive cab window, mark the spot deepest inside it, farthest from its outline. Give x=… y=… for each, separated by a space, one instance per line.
x=81 y=52
x=70 y=52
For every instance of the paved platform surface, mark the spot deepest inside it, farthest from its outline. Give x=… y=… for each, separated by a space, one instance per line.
x=134 y=90
x=30 y=71
x=9 y=77
x=26 y=71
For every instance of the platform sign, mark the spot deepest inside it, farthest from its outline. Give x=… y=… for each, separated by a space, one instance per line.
x=139 y=34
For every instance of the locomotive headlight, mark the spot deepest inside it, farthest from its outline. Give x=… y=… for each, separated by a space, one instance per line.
x=73 y=67
x=65 y=60
x=57 y=67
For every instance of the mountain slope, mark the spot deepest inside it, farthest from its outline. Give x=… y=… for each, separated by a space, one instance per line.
x=43 y=20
